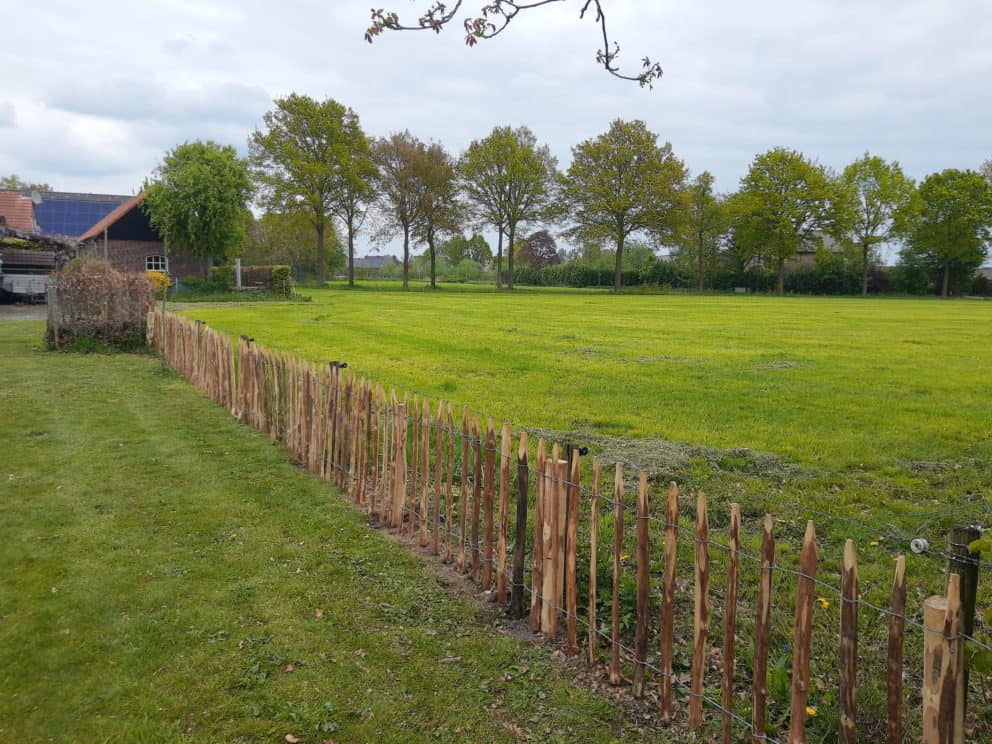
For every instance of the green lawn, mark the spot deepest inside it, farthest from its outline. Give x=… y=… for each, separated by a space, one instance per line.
x=887 y=399
x=169 y=575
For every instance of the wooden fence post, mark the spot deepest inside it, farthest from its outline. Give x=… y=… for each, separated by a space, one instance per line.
x=425 y=471
x=964 y=563
x=897 y=624
x=668 y=600
x=554 y=523
x=802 y=634
x=438 y=454
x=762 y=632
x=506 y=445
x=593 y=558
x=941 y=647
x=643 y=587
x=616 y=677
x=537 y=569
x=463 y=502
x=519 y=546
x=701 y=614
x=489 y=476
x=449 y=526
x=730 y=620
x=849 y=646
x=571 y=554
x=476 y=497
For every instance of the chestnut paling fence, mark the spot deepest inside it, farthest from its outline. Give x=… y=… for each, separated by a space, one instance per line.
x=581 y=556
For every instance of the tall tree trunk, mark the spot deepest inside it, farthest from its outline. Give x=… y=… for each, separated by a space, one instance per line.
x=430 y=247
x=406 y=257
x=864 y=275
x=702 y=264
x=780 y=285
x=509 y=255
x=947 y=279
x=618 y=271
x=499 y=258
x=321 y=262
x=351 y=252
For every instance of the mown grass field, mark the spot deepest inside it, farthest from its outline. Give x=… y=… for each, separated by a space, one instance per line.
x=168 y=575
x=885 y=400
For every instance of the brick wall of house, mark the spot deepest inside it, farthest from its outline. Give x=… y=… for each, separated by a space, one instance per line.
x=130 y=255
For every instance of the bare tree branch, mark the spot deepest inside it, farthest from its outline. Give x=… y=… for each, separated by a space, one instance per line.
x=496 y=15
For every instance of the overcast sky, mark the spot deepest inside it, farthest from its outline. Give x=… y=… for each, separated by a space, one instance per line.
x=94 y=93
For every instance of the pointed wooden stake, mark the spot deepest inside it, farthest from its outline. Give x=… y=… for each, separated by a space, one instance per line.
x=616 y=677
x=802 y=636
x=668 y=600
x=849 y=645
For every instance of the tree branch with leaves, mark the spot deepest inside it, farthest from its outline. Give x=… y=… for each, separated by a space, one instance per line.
x=493 y=17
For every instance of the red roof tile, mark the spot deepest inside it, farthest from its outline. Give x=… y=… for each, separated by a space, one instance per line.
x=17 y=210
x=113 y=217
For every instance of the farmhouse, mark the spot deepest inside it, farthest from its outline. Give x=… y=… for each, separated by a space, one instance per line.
x=126 y=238
x=371 y=266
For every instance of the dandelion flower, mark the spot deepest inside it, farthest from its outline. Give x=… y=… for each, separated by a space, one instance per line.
x=824 y=603
x=874 y=543
x=810 y=710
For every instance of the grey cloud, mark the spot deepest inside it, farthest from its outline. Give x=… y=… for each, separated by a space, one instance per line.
x=137 y=100
x=8 y=115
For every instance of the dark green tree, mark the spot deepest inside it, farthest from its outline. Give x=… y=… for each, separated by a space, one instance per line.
x=460 y=248
x=437 y=211
x=399 y=189
x=707 y=221
x=785 y=203
x=508 y=179
x=876 y=192
x=621 y=184
x=197 y=199
x=948 y=225
x=312 y=157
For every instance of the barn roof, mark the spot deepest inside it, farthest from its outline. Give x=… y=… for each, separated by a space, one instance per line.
x=113 y=217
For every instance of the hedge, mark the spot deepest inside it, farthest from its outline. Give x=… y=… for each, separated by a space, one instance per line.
x=278 y=279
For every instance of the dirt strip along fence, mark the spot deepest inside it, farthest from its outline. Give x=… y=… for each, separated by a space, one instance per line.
x=578 y=551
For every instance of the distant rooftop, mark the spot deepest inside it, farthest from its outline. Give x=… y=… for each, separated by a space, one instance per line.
x=374 y=262
x=16 y=210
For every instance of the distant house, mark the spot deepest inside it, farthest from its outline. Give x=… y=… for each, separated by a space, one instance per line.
x=370 y=266
x=17 y=211
x=71 y=214
x=125 y=237
x=805 y=258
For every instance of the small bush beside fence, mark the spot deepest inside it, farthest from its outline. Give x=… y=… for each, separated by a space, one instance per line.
x=91 y=305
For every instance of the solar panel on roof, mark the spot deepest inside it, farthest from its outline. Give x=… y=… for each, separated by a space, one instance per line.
x=73 y=214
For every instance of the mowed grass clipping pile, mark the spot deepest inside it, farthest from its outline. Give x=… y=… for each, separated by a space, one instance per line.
x=168 y=575
x=887 y=400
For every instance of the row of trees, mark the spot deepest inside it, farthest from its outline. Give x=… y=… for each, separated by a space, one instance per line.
x=312 y=160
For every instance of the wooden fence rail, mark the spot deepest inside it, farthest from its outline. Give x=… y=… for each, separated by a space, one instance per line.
x=399 y=459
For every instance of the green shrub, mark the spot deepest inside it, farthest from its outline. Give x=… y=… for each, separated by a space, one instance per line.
x=221 y=278
x=91 y=308
x=281 y=281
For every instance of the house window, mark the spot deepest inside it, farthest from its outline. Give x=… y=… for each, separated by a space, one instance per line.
x=157 y=263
